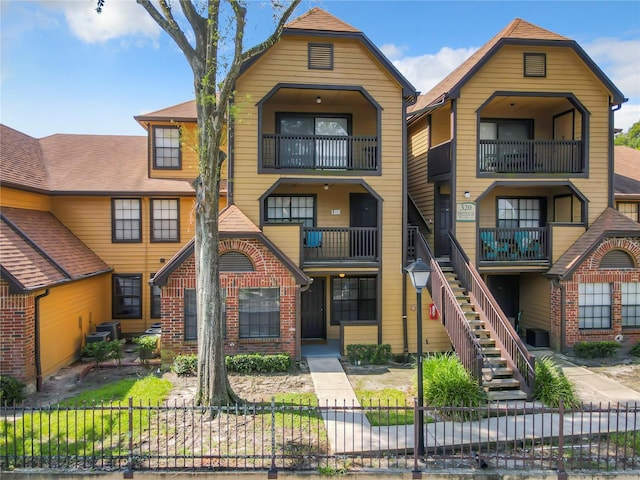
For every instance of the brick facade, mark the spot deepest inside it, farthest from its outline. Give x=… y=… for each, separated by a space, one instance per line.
x=589 y=271
x=17 y=333
x=269 y=272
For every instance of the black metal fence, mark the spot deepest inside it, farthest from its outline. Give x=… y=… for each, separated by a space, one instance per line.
x=270 y=436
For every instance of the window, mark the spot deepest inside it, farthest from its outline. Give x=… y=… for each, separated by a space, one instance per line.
x=353 y=299
x=520 y=212
x=320 y=56
x=156 y=294
x=125 y=220
x=311 y=141
x=165 y=225
x=288 y=209
x=535 y=65
x=166 y=147
x=259 y=312
x=235 y=262
x=127 y=296
x=594 y=305
x=630 y=304
x=191 y=313
x=630 y=209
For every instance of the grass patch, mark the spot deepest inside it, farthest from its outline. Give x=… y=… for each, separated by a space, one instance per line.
x=400 y=411
x=629 y=441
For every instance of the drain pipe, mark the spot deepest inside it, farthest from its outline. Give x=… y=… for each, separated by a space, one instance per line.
x=37 y=339
x=563 y=319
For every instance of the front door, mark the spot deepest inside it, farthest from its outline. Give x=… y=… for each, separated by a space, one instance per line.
x=443 y=225
x=506 y=290
x=363 y=212
x=312 y=314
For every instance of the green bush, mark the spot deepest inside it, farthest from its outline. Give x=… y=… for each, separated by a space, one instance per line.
x=552 y=386
x=448 y=384
x=11 y=390
x=99 y=351
x=596 y=349
x=116 y=350
x=185 y=365
x=258 y=363
x=635 y=350
x=361 y=354
x=147 y=347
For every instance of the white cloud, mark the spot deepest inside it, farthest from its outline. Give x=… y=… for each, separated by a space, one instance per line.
x=119 y=18
x=620 y=60
x=425 y=71
x=393 y=52
x=627 y=116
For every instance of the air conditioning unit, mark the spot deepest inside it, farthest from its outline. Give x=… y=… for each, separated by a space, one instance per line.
x=112 y=327
x=99 y=337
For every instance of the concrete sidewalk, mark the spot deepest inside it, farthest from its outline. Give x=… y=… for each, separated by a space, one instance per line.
x=349 y=430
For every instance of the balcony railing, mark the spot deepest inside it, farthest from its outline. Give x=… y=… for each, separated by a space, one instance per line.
x=531 y=156
x=336 y=244
x=320 y=152
x=439 y=160
x=514 y=245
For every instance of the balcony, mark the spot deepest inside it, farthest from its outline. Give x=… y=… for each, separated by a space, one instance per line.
x=514 y=245
x=340 y=244
x=320 y=152
x=531 y=156
x=439 y=160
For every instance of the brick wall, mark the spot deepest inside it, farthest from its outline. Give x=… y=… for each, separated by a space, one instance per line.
x=269 y=272
x=589 y=271
x=17 y=332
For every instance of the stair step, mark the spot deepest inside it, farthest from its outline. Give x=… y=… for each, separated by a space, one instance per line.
x=499 y=372
x=506 y=395
x=476 y=324
x=481 y=333
x=496 y=362
x=492 y=352
x=501 y=384
x=486 y=342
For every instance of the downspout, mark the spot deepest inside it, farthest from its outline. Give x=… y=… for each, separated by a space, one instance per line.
x=36 y=335
x=563 y=318
x=230 y=152
x=611 y=185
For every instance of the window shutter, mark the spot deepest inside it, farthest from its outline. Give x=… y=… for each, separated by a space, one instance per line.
x=235 y=262
x=617 y=259
x=535 y=65
x=320 y=56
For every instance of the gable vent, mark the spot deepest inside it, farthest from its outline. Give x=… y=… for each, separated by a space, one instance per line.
x=320 y=56
x=535 y=65
x=235 y=262
x=617 y=259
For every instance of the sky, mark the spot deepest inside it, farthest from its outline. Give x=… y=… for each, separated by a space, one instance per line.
x=66 y=69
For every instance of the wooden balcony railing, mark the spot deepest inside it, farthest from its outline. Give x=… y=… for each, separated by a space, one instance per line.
x=338 y=244
x=531 y=156
x=320 y=152
x=514 y=244
x=439 y=162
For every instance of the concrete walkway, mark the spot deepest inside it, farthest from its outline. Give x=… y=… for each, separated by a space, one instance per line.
x=349 y=430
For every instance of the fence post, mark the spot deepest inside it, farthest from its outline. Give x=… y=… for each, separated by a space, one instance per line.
x=128 y=473
x=273 y=471
x=417 y=473
x=562 y=474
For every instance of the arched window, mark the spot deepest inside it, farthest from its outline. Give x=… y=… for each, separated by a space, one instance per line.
x=235 y=262
x=617 y=259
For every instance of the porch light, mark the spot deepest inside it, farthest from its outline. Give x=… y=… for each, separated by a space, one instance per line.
x=467 y=194
x=419 y=273
x=318 y=99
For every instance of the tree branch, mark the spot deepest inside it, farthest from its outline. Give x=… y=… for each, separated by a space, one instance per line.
x=197 y=21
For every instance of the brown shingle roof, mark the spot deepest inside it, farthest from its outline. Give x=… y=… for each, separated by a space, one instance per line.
x=318 y=19
x=517 y=30
x=182 y=112
x=627 y=172
x=21 y=161
x=38 y=251
x=610 y=224
x=232 y=220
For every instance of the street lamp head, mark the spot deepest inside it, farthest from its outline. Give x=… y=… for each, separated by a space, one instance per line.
x=419 y=273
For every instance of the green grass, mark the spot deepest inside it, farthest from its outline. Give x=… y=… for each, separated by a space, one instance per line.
x=630 y=441
x=397 y=400
x=66 y=430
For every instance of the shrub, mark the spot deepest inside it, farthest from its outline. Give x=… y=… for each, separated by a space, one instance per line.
x=360 y=354
x=11 y=390
x=258 y=363
x=448 y=384
x=99 y=351
x=552 y=386
x=185 y=365
x=146 y=347
x=116 y=350
x=596 y=349
x=635 y=350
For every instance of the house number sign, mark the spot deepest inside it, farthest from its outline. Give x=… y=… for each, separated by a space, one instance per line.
x=466 y=212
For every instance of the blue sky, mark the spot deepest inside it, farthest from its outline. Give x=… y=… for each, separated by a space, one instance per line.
x=65 y=69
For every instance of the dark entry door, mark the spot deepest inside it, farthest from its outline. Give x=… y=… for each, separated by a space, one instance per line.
x=443 y=225
x=313 y=311
x=506 y=291
x=363 y=212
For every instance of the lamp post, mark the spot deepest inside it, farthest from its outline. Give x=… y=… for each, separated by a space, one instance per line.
x=419 y=273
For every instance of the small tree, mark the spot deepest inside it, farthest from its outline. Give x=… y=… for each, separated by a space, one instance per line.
x=214 y=78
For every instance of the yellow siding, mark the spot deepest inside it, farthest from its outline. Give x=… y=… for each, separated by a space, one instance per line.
x=359 y=334
x=435 y=337
x=188 y=151
x=287 y=237
x=535 y=301
x=421 y=192
x=10 y=197
x=353 y=65
x=67 y=315
x=563 y=237
x=441 y=126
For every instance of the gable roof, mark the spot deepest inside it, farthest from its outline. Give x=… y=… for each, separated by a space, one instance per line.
x=518 y=32
x=318 y=19
x=611 y=223
x=232 y=223
x=37 y=251
x=182 y=112
x=627 y=173
x=21 y=161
